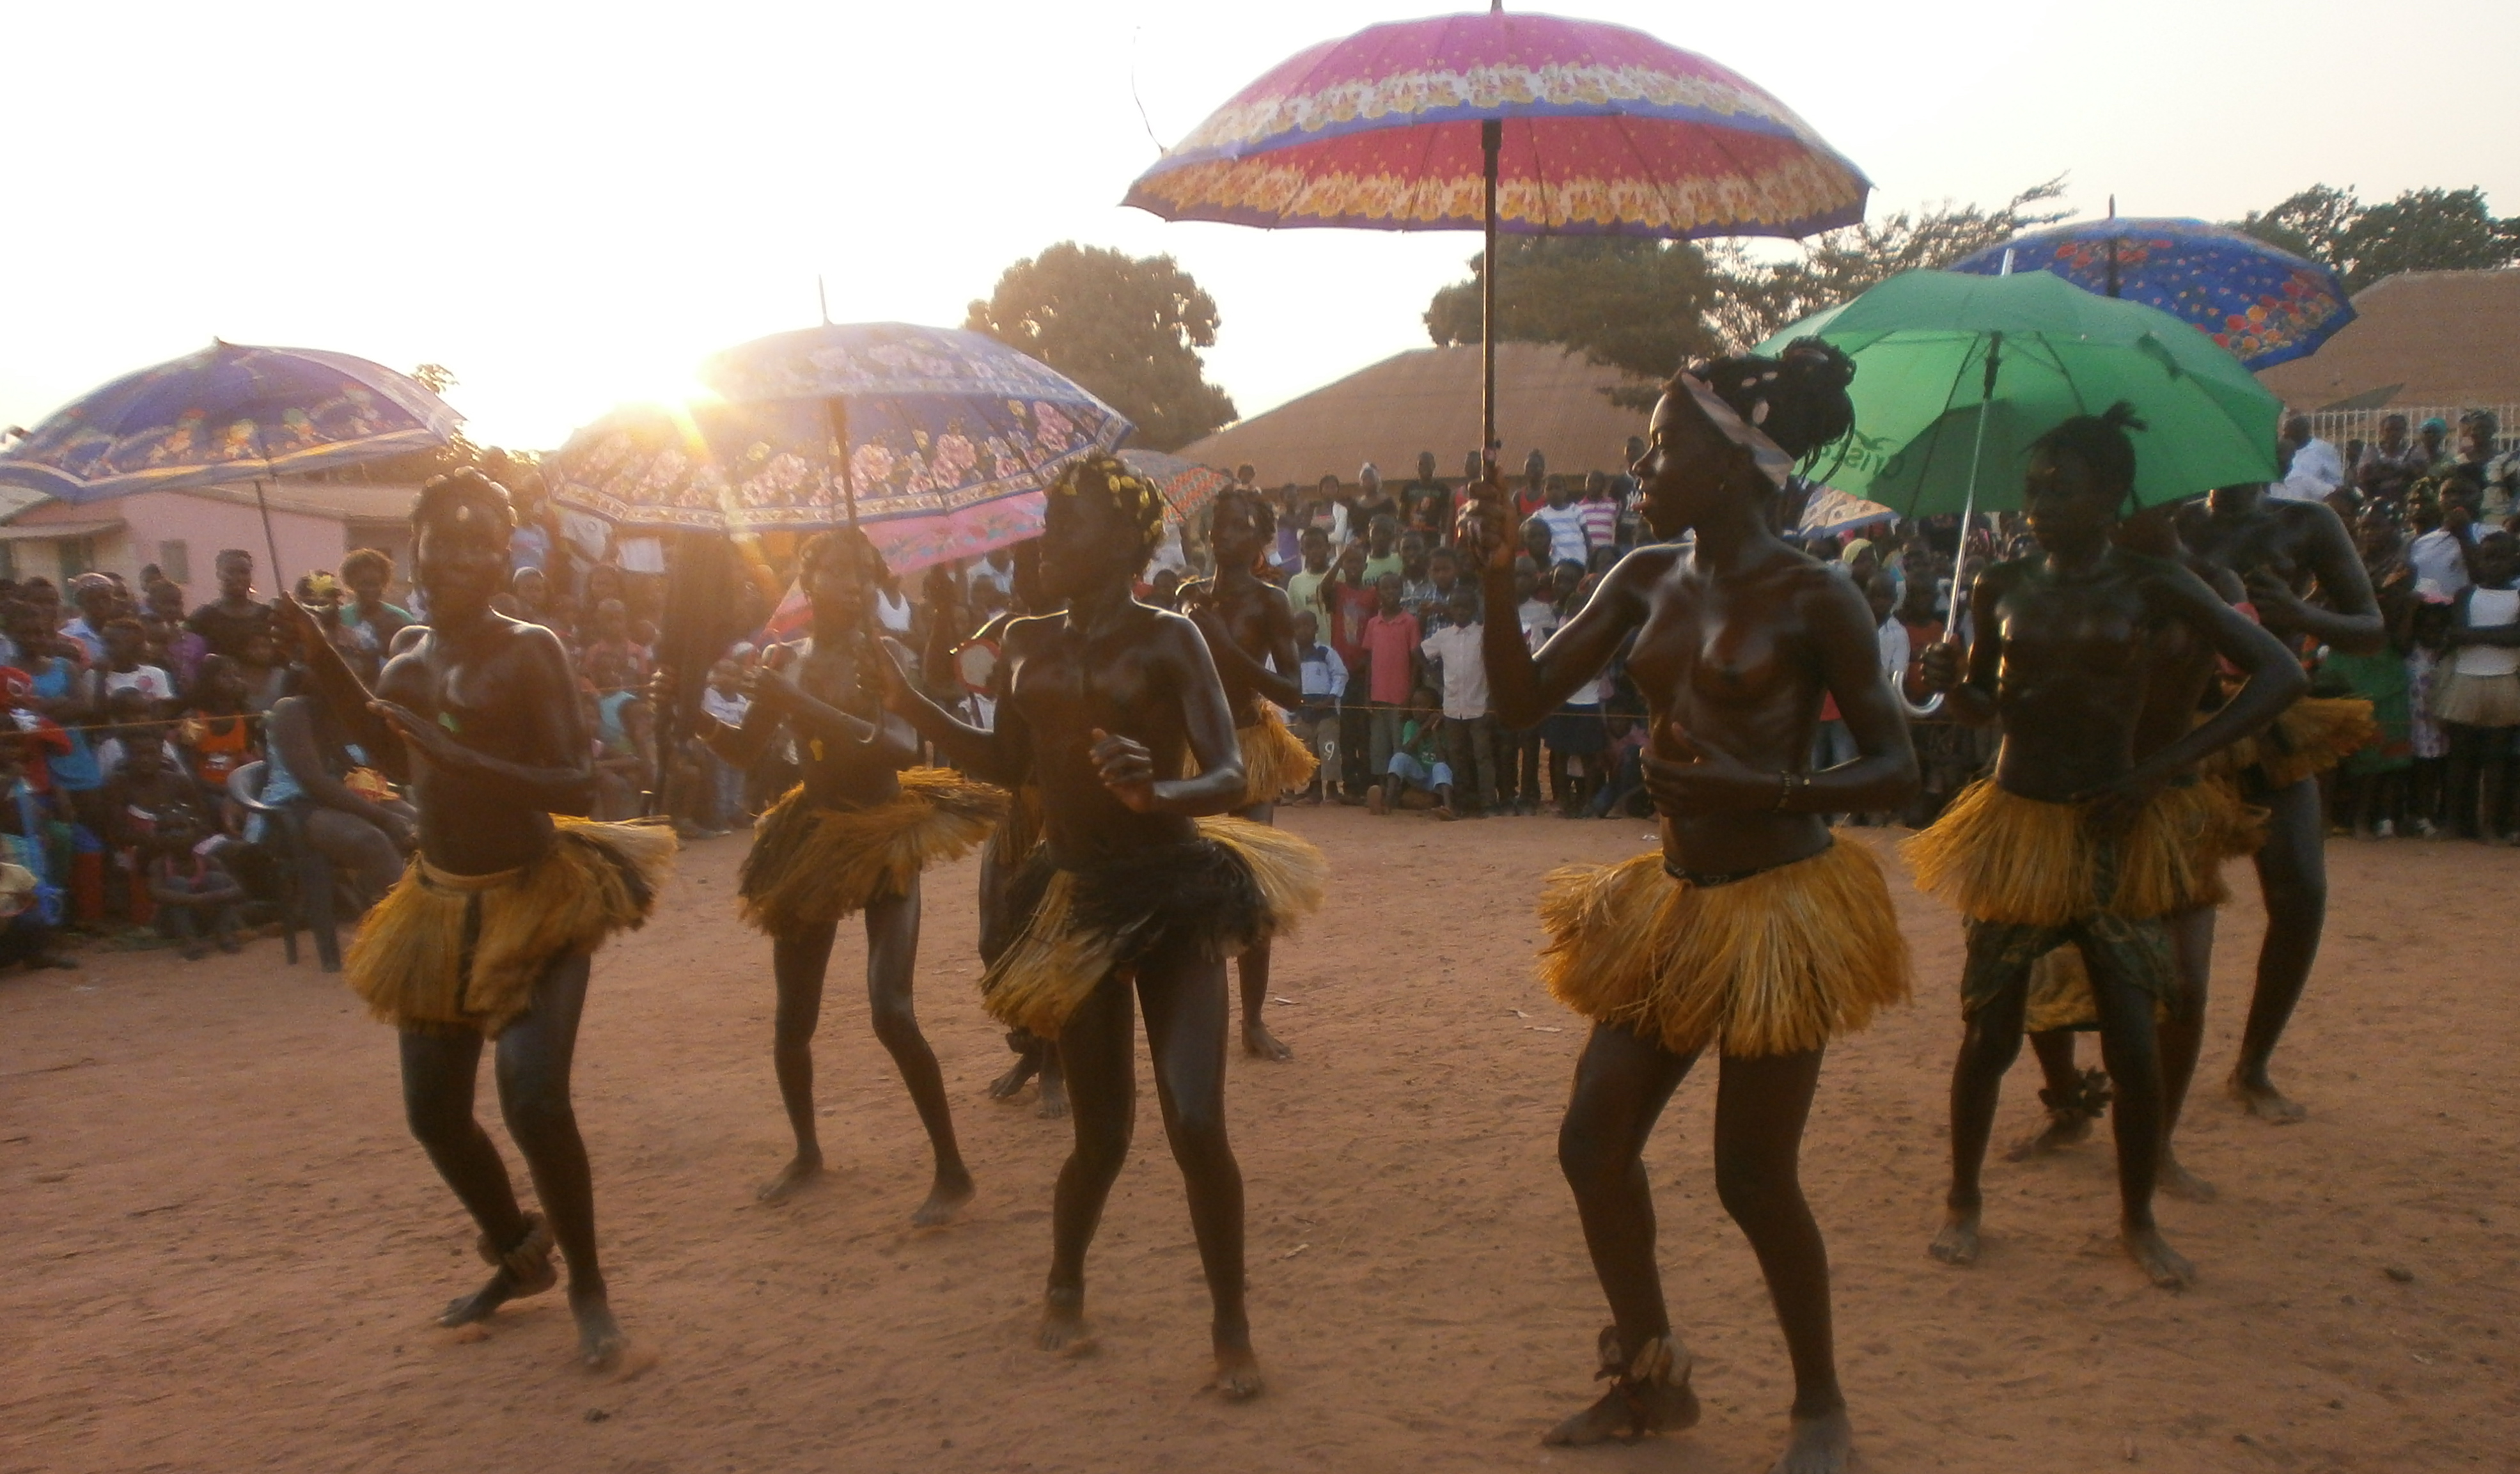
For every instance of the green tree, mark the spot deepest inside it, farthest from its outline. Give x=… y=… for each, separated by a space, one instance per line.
x=1126 y=328
x=1635 y=305
x=2421 y=230
x=1758 y=298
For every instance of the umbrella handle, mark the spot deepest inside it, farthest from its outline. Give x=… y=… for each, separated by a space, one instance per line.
x=1968 y=514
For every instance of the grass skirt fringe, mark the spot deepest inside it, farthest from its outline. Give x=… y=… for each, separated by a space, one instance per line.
x=1017 y=835
x=1237 y=886
x=2313 y=735
x=1781 y=961
x=1999 y=857
x=1273 y=759
x=811 y=866
x=447 y=954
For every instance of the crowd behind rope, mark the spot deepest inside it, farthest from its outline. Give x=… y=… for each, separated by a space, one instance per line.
x=129 y=713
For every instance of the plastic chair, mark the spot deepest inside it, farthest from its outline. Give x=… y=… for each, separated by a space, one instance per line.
x=306 y=877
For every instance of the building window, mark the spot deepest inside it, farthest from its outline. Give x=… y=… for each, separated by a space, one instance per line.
x=79 y=556
x=175 y=560
x=8 y=561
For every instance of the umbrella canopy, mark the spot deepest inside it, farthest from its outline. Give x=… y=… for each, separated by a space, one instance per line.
x=228 y=413
x=1936 y=431
x=952 y=438
x=1606 y=130
x=1185 y=485
x=1833 y=511
x=2266 y=306
x=1535 y=124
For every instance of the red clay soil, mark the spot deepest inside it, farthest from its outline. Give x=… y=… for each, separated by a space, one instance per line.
x=222 y=1250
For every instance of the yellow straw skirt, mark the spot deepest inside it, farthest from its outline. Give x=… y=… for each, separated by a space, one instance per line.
x=1017 y=835
x=1777 y=962
x=1273 y=759
x=811 y=866
x=448 y=954
x=1999 y=857
x=2313 y=735
x=1235 y=886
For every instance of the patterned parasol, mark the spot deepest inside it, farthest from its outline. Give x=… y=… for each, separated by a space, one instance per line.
x=1187 y=485
x=1534 y=124
x=229 y=413
x=952 y=438
x=2266 y=306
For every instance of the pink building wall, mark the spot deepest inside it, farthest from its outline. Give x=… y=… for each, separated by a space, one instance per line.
x=204 y=525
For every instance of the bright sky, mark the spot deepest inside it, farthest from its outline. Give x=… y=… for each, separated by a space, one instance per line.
x=571 y=205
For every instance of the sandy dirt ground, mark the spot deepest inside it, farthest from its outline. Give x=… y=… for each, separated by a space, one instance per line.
x=222 y=1250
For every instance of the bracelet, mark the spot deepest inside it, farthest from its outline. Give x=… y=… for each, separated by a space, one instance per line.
x=1787 y=786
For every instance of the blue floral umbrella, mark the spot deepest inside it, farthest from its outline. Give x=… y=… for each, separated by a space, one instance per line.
x=952 y=437
x=230 y=412
x=2266 y=306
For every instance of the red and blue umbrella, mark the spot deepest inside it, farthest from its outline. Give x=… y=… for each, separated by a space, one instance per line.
x=952 y=437
x=1185 y=485
x=230 y=412
x=1525 y=123
x=2265 y=305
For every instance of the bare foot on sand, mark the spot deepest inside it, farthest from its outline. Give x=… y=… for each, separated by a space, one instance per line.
x=1816 y=1446
x=527 y=1271
x=1957 y=1244
x=1054 y=1098
x=2161 y=1264
x=1237 y=1370
x=803 y=1167
x=2184 y=1184
x=1063 y=1324
x=1657 y=1408
x=1260 y=1044
x=1004 y=1087
x=600 y=1341
x=2264 y=1101
x=2064 y=1127
x=952 y=1191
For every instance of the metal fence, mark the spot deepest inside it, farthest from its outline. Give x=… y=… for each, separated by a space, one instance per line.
x=2337 y=426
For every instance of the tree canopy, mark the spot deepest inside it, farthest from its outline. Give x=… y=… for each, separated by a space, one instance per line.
x=1650 y=308
x=1126 y=328
x=2421 y=230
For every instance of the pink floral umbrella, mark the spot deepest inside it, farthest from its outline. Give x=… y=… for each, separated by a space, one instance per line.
x=1534 y=124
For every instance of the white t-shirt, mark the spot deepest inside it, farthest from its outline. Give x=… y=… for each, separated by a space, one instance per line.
x=2437 y=555
x=148 y=680
x=2316 y=470
x=1894 y=650
x=1466 y=672
x=728 y=709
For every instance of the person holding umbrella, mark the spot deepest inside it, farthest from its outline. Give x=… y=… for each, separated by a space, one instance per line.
x=1751 y=930
x=1139 y=893
x=2068 y=842
x=1250 y=631
x=853 y=835
x=487 y=936
x=2308 y=585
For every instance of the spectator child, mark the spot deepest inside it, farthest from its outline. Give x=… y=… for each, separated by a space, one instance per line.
x=1418 y=776
x=2478 y=697
x=1324 y=676
x=1600 y=514
x=1382 y=548
x=1469 y=726
x=193 y=890
x=127 y=641
x=176 y=649
x=1304 y=587
x=213 y=735
x=1566 y=525
x=1392 y=660
x=724 y=700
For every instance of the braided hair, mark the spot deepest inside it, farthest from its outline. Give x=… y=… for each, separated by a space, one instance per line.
x=1798 y=399
x=459 y=495
x=1264 y=518
x=2100 y=442
x=873 y=571
x=1132 y=494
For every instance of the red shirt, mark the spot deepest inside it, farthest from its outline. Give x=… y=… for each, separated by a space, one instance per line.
x=1389 y=639
x=1349 y=609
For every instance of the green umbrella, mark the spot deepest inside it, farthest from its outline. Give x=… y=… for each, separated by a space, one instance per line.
x=1957 y=375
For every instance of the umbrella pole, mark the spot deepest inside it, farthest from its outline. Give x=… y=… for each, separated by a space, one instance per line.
x=269 y=540
x=1491 y=144
x=1968 y=513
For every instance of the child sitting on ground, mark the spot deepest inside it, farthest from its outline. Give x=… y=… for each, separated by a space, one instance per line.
x=194 y=891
